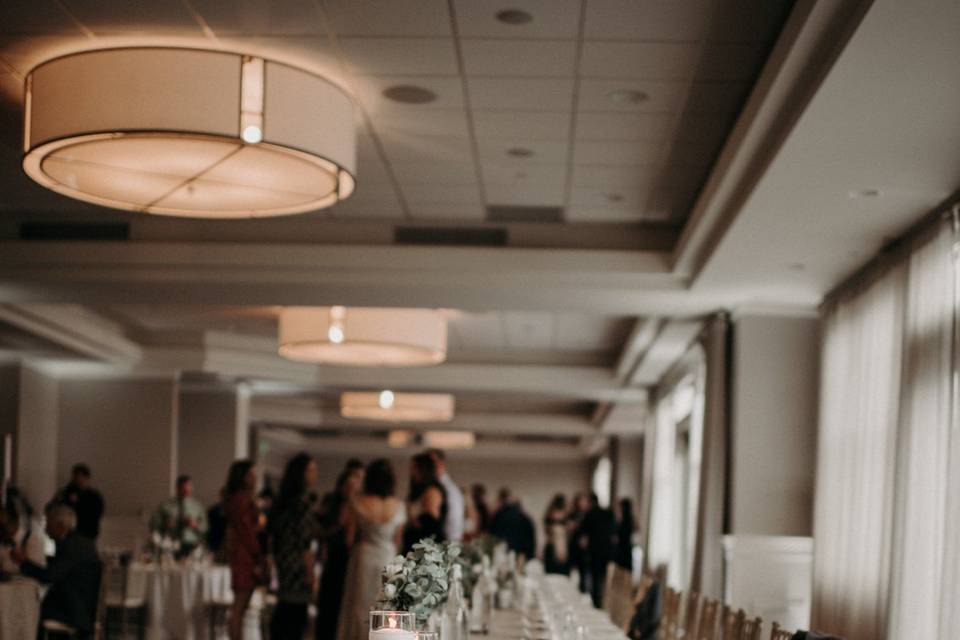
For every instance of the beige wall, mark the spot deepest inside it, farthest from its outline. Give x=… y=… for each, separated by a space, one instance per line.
x=38 y=435
x=773 y=428
x=9 y=401
x=212 y=434
x=125 y=429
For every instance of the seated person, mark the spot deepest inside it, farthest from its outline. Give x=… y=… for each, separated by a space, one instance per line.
x=181 y=518
x=73 y=573
x=16 y=531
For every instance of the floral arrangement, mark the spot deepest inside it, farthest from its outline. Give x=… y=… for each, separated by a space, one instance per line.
x=471 y=559
x=418 y=581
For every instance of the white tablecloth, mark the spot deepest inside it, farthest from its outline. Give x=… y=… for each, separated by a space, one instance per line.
x=178 y=598
x=19 y=609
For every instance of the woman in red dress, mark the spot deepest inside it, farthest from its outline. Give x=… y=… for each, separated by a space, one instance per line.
x=243 y=549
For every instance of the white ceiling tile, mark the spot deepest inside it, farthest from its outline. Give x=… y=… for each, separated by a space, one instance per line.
x=388 y=17
x=156 y=16
x=435 y=194
x=446 y=122
x=529 y=58
x=529 y=329
x=367 y=210
x=625 y=127
x=656 y=20
x=647 y=60
x=435 y=172
x=551 y=19
x=369 y=91
x=537 y=94
x=534 y=195
x=474 y=212
x=406 y=147
x=616 y=153
x=401 y=56
x=662 y=96
x=371 y=172
x=35 y=17
x=544 y=151
x=543 y=125
x=614 y=178
x=498 y=173
x=261 y=17
x=479 y=330
x=621 y=197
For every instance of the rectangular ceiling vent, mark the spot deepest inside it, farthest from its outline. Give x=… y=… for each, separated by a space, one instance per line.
x=511 y=213
x=57 y=231
x=451 y=236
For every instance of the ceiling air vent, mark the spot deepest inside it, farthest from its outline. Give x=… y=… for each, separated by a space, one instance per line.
x=455 y=236
x=510 y=213
x=55 y=231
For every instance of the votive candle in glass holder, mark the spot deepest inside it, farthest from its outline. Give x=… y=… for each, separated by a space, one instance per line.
x=428 y=635
x=392 y=625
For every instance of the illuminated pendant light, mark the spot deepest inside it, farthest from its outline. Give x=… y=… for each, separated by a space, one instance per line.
x=363 y=336
x=185 y=132
x=388 y=406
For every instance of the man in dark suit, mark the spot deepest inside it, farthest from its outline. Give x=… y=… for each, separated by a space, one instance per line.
x=514 y=527
x=73 y=573
x=595 y=535
x=86 y=501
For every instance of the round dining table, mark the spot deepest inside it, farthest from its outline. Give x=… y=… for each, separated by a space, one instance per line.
x=19 y=608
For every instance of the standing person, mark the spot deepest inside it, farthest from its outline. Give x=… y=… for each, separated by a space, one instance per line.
x=333 y=546
x=373 y=528
x=243 y=548
x=217 y=527
x=73 y=573
x=291 y=534
x=427 y=504
x=626 y=527
x=595 y=534
x=85 y=501
x=512 y=525
x=555 y=553
x=577 y=554
x=182 y=517
x=453 y=523
x=479 y=493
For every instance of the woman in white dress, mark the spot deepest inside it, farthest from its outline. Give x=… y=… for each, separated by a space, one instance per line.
x=373 y=527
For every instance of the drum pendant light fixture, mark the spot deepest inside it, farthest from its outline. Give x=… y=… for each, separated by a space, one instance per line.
x=188 y=132
x=387 y=406
x=363 y=336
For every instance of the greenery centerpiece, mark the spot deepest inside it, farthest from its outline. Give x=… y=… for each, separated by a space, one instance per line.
x=418 y=582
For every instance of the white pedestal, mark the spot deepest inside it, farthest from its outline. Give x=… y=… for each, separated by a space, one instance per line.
x=770 y=577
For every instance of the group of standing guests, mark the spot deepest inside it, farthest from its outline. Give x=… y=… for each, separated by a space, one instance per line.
x=588 y=537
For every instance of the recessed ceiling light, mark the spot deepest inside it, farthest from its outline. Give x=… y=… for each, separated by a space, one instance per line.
x=519 y=152
x=409 y=94
x=514 y=16
x=628 y=96
x=865 y=193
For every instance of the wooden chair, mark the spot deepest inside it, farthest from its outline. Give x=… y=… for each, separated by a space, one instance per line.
x=780 y=634
x=750 y=628
x=691 y=615
x=670 y=621
x=707 y=624
x=730 y=622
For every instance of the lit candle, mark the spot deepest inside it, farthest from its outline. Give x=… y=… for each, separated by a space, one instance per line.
x=392 y=625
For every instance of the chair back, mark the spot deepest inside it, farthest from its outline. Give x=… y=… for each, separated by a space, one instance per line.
x=776 y=633
x=691 y=615
x=670 y=622
x=707 y=625
x=750 y=628
x=730 y=623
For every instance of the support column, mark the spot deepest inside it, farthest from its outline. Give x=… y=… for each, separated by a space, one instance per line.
x=213 y=432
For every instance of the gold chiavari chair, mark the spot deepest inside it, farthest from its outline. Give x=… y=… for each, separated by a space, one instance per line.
x=780 y=634
x=707 y=625
x=670 y=620
x=691 y=615
x=750 y=628
x=731 y=622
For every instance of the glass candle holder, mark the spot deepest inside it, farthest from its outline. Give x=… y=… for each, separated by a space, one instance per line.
x=392 y=625
x=428 y=635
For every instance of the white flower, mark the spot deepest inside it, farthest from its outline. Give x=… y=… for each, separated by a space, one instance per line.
x=389 y=591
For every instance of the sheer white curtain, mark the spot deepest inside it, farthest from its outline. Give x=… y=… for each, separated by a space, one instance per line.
x=886 y=523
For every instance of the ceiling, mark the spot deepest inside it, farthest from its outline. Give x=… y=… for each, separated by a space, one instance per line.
x=739 y=185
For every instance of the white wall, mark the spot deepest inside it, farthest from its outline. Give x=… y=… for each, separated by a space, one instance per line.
x=38 y=435
x=774 y=419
